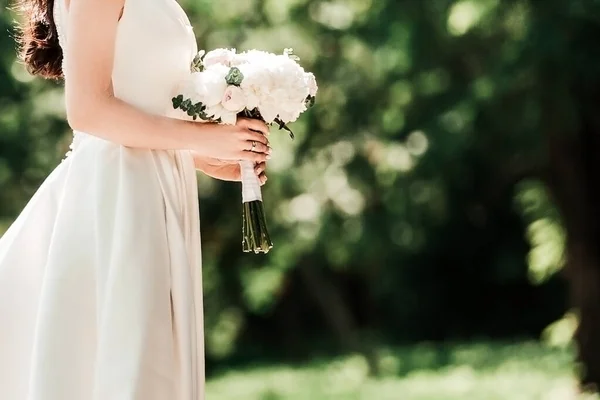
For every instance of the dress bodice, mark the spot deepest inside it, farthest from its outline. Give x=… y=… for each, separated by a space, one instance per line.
x=154 y=48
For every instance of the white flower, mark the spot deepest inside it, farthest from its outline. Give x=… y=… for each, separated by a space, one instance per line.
x=218 y=111
x=229 y=118
x=256 y=82
x=219 y=56
x=276 y=85
x=234 y=99
x=213 y=84
x=268 y=110
x=189 y=89
x=238 y=59
x=311 y=82
x=256 y=56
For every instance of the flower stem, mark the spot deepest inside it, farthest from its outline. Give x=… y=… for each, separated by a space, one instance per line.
x=254 y=228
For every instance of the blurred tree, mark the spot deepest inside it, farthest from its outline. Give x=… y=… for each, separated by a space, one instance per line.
x=568 y=67
x=418 y=200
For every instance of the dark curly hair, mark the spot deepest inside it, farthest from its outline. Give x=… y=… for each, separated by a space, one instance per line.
x=38 y=39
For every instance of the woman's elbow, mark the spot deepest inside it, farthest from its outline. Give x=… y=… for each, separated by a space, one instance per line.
x=84 y=113
x=80 y=116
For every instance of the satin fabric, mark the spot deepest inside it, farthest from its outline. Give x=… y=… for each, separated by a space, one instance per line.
x=100 y=275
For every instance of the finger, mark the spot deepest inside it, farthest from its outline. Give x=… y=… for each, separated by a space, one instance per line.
x=260 y=148
x=257 y=137
x=260 y=168
x=244 y=122
x=256 y=125
x=263 y=179
x=255 y=157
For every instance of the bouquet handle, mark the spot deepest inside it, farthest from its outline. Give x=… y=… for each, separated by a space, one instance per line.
x=250 y=183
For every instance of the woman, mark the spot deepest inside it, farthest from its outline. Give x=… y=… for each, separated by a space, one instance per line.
x=100 y=276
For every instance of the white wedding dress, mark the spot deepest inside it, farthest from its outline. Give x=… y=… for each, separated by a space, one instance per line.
x=100 y=275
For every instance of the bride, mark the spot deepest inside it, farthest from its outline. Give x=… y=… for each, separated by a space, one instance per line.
x=100 y=275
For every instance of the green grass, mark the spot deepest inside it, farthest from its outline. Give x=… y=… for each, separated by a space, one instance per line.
x=524 y=371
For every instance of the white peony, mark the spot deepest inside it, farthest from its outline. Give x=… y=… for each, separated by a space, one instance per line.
x=219 y=112
x=276 y=85
x=212 y=85
x=189 y=89
x=269 y=110
x=256 y=82
x=229 y=118
x=256 y=56
x=288 y=90
x=219 y=56
x=239 y=59
x=311 y=82
x=234 y=99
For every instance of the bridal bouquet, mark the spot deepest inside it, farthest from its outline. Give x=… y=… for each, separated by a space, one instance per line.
x=273 y=88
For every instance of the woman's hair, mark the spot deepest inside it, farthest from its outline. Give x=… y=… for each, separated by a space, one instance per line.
x=38 y=39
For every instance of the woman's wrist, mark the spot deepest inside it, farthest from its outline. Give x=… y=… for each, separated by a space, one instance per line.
x=195 y=136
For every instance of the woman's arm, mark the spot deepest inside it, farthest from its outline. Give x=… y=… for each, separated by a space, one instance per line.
x=93 y=108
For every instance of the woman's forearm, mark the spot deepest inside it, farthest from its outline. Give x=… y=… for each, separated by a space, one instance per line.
x=200 y=162
x=116 y=121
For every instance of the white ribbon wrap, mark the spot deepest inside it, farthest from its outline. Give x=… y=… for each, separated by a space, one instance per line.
x=250 y=183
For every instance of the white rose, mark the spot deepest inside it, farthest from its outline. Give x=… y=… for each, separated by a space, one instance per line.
x=234 y=99
x=219 y=56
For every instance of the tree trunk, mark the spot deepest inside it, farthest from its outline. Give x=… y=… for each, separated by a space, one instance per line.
x=574 y=155
x=336 y=313
x=584 y=277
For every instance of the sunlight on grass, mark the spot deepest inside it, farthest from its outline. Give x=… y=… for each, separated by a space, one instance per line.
x=522 y=371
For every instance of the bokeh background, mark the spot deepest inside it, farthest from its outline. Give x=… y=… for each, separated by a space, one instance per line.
x=429 y=218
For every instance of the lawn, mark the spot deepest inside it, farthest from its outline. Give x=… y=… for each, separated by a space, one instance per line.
x=523 y=371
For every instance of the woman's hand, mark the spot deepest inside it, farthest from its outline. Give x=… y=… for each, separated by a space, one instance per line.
x=227 y=170
x=247 y=140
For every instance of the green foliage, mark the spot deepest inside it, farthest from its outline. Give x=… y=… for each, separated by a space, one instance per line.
x=475 y=371
x=545 y=231
x=234 y=77
x=401 y=183
x=32 y=129
x=411 y=205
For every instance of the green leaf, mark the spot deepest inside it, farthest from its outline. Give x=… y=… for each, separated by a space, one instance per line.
x=198 y=63
x=234 y=77
x=186 y=105
x=283 y=126
x=177 y=101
